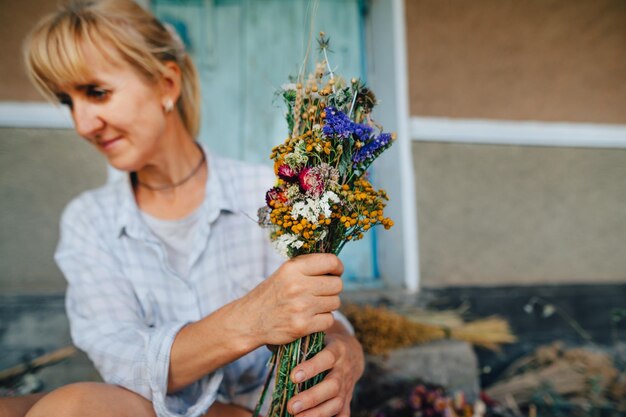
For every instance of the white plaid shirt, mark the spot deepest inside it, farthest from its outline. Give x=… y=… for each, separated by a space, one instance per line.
x=126 y=304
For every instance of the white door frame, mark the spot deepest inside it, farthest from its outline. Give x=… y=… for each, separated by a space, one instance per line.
x=520 y=133
x=387 y=74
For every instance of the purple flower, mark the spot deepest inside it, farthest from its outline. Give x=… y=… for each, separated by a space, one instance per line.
x=362 y=131
x=338 y=124
x=287 y=173
x=311 y=182
x=372 y=148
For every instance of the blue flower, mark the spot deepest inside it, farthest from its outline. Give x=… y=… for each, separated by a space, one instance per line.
x=362 y=132
x=338 y=124
x=372 y=148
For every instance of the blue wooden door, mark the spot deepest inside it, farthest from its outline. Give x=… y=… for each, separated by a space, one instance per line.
x=245 y=50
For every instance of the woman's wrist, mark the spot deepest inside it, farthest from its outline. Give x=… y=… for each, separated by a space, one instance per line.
x=208 y=344
x=239 y=329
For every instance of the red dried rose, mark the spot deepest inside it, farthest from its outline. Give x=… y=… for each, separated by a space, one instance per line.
x=311 y=182
x=287 y=173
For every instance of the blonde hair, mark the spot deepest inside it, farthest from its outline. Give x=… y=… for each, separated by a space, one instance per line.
x=53 y=50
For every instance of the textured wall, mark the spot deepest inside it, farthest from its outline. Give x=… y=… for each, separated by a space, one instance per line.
x=40 y=171
x=506 y=215
x=16 y=19
x=562 y=60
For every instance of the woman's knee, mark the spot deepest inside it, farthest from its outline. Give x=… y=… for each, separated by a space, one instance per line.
x=227 y=410
x=18 y=406
x=63 y=401
x=83 y=399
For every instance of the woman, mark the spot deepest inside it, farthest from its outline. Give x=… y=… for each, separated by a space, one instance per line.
x=172 y=291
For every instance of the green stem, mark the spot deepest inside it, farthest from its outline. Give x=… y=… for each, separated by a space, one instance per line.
x=257 y=410
x=286 y=358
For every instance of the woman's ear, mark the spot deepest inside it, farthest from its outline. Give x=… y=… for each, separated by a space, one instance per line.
x=171 y=82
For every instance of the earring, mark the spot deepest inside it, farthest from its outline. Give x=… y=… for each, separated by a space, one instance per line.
x=168 y=106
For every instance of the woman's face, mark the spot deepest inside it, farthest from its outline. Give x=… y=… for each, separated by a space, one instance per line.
x=118 y=110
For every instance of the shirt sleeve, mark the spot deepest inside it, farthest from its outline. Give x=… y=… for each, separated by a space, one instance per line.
x=106 y=322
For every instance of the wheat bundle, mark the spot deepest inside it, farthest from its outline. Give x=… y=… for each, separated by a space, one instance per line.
x=490 y=332
x=380 y=330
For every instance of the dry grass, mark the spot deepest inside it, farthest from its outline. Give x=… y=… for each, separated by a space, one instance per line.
x=381 y=330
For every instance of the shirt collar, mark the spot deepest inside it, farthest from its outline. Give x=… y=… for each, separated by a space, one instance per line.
x=219 y=196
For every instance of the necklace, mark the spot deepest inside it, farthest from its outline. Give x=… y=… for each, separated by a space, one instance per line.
x=189 y=176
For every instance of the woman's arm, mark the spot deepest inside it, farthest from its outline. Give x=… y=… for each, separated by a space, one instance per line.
x=158 y=361
x=294 y=301
x=107 y=320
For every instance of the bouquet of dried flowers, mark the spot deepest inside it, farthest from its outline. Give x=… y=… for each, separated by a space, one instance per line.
x=322 y=198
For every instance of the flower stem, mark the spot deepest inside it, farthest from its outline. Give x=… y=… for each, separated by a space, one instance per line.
x=285 y=359
x=332 y=76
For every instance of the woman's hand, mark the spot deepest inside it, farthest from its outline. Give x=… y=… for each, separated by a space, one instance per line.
x=343 y=356
x=295 y=301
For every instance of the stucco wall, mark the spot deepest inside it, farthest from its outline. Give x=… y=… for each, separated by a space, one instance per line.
x=16 y=20
x=40 y=171
x=507 y=215
x=554 y=60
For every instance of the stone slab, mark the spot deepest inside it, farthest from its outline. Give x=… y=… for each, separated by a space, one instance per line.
x=449 y=363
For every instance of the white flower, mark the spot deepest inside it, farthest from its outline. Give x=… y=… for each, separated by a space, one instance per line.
x=308 y=209
x=327 y=198
x=285 y=242
x=312 y=208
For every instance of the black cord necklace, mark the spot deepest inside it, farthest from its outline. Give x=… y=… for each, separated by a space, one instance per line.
x=193 y=172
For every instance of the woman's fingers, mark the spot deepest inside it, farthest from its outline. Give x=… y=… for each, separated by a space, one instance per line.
x=320 y=323
x=326 y=304
x=296 y=300
x=323 y=399
x=316 y=264
x=326 y=285
x=319 y=363
x=329 y=408
x=342 y=356
x=345 y=411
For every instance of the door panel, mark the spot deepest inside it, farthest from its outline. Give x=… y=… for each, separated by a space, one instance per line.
x=245 y=50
